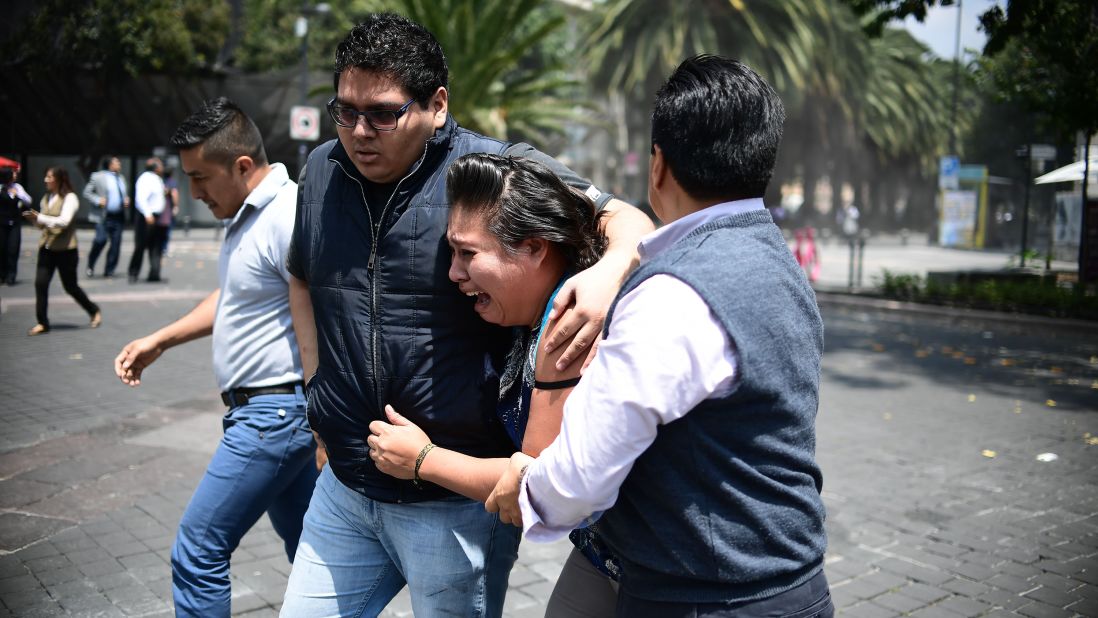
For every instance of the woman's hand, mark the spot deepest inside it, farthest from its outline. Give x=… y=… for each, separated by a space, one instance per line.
x=505 y=496
x=31 y=216
x=394 y=446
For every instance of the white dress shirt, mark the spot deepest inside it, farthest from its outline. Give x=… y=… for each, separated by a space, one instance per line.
x=665 y=353
x=149 y=194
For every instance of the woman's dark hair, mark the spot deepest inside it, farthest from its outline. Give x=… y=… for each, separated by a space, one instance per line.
x=61 y=177
x=522 y=199
x=7 y=175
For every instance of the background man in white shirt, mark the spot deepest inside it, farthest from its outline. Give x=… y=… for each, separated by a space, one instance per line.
x=149 y=202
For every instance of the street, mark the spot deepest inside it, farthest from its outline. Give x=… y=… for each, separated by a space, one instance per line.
x=960 y=456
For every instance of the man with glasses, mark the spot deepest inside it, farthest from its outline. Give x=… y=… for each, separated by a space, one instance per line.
x=369 y=262
x=109 y=198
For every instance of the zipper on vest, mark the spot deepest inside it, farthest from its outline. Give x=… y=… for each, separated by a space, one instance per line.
x=373 y=285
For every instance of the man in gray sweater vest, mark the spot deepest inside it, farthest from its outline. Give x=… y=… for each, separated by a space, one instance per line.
x=693 y=431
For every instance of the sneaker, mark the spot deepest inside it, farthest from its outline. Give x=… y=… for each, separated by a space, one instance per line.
x=89 y=273
x=96 y=319
x=38 y=329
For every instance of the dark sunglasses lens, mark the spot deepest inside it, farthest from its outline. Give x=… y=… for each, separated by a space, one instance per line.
x=344 y=116
x=382 y=120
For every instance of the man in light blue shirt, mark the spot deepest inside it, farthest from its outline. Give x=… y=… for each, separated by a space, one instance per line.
x=265 y=459
x=106 y=191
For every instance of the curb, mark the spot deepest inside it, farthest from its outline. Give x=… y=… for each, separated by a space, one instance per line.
x=858 y=301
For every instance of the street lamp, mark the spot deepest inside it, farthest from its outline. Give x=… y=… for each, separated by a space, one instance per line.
x=301 y=30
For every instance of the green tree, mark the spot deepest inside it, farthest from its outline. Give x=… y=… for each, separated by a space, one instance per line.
x=113 y=41
x=507 y=58
x=115 y=38
x=881 y=12
x=1045 y=60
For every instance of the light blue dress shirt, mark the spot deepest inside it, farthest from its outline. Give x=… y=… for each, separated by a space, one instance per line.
x=253 y=337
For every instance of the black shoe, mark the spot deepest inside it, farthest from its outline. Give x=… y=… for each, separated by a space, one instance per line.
x=133 y=278
x=153 y=280
x=108 y=275
x=89 y=273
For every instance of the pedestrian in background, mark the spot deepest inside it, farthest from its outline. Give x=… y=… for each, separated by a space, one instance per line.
x=13 y=199
x=265 y=460
x=106 y=191
x=57 y=249
x=147 y=235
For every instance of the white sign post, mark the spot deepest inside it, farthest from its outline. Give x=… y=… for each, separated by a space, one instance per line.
x=305 y=123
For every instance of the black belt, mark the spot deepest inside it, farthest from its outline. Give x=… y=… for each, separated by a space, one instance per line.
x=240 y=396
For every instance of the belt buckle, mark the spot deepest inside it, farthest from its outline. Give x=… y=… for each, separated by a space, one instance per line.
x=234 y=399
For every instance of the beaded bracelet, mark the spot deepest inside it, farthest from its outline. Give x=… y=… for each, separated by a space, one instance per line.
x=419 y=462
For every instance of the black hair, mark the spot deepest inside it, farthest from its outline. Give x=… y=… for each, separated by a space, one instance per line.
x=107 y=161
x=522 y=199
x=7 y=175
x=398 y=48
x=718 y=124
x=152 y=163
x=225 y=130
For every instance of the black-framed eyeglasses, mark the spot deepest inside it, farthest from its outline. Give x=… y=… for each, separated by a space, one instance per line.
x=379 y=119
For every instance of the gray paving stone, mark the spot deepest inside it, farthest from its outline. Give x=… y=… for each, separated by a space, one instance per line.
x=1037 y=609
x=867 y=609
x=923 y=592
x=47 y=563
x=1009 y=601
x=58 y=576
x=1054 y=597
x=918 y=573
x=18 y=530
x=974 y=571
x=963 y=606
x=107 y=566
x=898 y=602
x=965 y=587
x=1086 y=607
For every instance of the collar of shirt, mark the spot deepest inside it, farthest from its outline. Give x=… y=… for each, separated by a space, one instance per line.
x=264 y=192
x=661 y=240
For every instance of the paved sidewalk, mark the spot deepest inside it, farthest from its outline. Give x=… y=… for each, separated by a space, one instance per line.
x=928 y=436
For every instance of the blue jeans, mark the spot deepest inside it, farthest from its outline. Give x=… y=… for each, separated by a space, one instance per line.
x=265 y=462
x=109 y=229
x=356 y=554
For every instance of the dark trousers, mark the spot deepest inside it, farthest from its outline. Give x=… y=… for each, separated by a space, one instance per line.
x=109 y=230
x=11 y=237
x=147 y=238
x=64 y=262
x=812 y=599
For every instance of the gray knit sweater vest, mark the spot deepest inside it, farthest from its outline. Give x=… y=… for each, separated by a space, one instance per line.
x=725 y=505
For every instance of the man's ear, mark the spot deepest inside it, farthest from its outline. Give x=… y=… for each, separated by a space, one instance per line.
x=244 y=164
x=657 y=168
x=440 y=106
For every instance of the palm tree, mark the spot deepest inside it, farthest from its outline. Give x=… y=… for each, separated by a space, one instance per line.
x=506 y=80
x=639 y=42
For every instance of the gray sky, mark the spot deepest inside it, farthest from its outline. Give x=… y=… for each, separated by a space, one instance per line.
x=939 y=30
